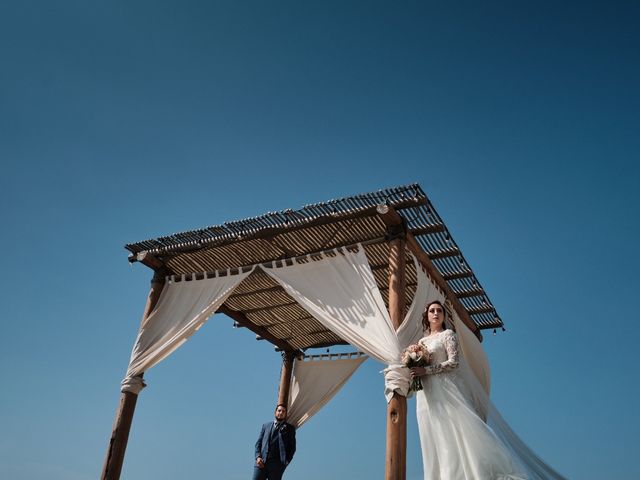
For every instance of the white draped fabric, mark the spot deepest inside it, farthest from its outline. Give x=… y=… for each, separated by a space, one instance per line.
x=314 y=382
x=473 y=353
x=411 y=329
x=342 y=294
x=182 y=309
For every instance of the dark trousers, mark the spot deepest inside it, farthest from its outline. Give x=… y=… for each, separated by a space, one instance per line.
x=271 y=471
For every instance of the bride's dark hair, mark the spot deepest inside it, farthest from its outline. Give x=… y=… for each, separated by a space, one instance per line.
x=425 y=324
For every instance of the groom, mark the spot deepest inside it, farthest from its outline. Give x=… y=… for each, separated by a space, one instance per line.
x=275 y=447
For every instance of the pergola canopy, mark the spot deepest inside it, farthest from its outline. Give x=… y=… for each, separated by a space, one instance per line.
x=261 y=304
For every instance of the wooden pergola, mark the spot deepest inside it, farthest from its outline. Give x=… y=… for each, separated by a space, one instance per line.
x=388 y=223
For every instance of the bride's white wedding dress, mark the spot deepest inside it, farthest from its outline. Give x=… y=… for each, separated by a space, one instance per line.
x=457 y=443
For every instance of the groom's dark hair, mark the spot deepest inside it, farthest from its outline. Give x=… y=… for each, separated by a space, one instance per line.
x=281 y=405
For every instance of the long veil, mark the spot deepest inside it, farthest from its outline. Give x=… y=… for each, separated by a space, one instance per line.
x=474 y=370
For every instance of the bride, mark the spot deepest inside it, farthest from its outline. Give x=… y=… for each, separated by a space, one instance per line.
x=463 y=436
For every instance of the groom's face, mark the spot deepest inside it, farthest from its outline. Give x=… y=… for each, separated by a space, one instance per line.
x=281 y=413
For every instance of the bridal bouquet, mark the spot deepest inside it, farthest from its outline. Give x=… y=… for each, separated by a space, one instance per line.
x=415 y=356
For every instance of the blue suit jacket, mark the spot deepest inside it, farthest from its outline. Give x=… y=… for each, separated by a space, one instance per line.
x=286 y=439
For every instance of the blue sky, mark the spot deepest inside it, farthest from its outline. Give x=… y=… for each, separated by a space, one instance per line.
x=121 y=121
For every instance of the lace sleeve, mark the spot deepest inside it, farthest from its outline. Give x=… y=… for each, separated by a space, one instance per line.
x=451 y=363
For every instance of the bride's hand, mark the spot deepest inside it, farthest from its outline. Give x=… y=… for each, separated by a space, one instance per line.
x=418 y=371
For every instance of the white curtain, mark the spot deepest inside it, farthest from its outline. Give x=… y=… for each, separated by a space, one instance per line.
x=184 y=306
x=342 y=294
x=315 y=381
x=473 y=353
x=411 y=329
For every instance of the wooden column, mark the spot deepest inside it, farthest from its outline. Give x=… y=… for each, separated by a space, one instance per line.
x=396 y=458
x=124 y=415
x=285 y=378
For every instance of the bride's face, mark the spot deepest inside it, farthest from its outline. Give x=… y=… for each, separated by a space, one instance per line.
x=435 y=316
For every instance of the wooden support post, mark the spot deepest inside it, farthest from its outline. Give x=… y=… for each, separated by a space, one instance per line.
x=396 y=458
x=285 y=378
x=124 y=415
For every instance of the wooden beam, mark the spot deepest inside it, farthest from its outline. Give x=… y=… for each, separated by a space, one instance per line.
x=285 y=377
x=148 y=260
x=114 y=457
x=243 y=321
x=396 y=449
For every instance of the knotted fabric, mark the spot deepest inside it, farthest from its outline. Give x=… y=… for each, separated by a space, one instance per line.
x=183 y=307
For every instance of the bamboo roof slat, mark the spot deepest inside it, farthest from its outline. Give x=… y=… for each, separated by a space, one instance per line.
x=444 y=253
x=457 y=275
x=480 y=309
x=469 y=293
